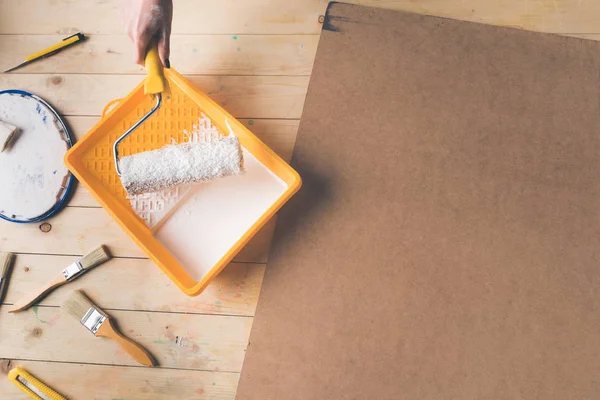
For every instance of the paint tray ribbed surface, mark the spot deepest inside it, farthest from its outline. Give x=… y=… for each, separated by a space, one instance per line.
x=190 y=232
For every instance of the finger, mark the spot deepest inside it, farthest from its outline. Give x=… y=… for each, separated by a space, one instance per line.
x=164 y=47
x=141 y=46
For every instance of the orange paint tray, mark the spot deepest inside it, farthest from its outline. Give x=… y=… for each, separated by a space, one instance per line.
x=191 y=233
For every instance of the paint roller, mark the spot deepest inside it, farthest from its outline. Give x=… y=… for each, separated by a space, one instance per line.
x=175 y=164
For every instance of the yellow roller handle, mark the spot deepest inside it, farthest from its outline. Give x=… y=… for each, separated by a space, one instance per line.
x=78 y=37
x=31 y=386
x=155 y=77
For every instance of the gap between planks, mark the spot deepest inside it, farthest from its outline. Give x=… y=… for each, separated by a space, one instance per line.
x=182 y=341
x=38 y=306
x=233 y=292
x=267 y=97
x=86 y=381
x=78 y=230
x=237 y=17
x=143 y=367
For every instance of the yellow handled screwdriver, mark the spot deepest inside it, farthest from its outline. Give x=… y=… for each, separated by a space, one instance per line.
x=47 y=52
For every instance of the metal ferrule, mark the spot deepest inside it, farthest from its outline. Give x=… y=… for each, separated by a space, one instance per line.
x=93 y=320
x=72 y=270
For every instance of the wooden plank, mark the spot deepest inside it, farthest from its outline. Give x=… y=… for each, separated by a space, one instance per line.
x=202 y=55
x=182 y=341
x=77 y=230
x=243 y=96
x=190 y=16
x=86 y=382
x=289 y=17
x=279 y=135
x=233 y=292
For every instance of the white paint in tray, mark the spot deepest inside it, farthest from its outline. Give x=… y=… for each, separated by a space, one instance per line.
x=215 y=215
x=199 y=224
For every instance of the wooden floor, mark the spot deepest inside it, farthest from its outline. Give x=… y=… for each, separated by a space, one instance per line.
x=255 y=58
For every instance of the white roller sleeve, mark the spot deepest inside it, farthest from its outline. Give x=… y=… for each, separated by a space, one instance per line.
x=181 y=164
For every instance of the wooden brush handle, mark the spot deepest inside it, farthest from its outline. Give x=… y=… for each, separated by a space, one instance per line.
x=136 y=351
x=29 y=299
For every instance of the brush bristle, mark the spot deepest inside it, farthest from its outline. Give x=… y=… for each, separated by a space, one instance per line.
x=95 y=258
x=78 y=304
x=6 y=260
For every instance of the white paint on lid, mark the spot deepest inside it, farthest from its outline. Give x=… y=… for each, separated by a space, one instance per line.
x=32 y=174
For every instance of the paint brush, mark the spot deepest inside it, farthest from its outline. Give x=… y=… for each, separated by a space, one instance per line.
x=80 y=307
x=8 y=133
x=70 y=273
x=6 y=261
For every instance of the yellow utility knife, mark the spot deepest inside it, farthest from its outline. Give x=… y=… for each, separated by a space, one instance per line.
x=56 y=48
x=33 y=387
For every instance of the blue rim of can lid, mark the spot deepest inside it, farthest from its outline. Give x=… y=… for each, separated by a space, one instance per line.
x=67 y=136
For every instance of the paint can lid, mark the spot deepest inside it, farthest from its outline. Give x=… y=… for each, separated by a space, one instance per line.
x=34 y=181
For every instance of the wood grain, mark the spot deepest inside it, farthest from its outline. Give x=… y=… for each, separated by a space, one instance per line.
x=182 y=341
x=243 y=96
x=234 y=291
x=276 y=38
x=77 y=230
x=201 y=55
x=288 y=17
x=190 y=17
x=99 y=382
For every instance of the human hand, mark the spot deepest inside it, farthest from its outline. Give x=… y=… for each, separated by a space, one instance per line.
x=146 y=20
